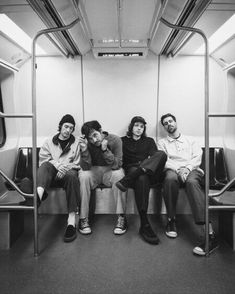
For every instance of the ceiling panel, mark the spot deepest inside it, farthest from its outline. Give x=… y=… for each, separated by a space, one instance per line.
x=103 y=19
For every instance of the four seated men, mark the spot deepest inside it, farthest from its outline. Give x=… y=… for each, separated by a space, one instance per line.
x=81 y=164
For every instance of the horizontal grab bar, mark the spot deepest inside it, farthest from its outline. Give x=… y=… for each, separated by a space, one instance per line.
x=15 y=115
x=225 y=188
x=14 y=185
x=221 y=114
x=16 y=207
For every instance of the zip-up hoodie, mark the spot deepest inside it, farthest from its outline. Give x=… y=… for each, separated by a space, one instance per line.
x=52 y=152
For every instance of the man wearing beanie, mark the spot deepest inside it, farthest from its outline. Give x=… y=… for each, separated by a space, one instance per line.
x=143 y=165
x=59 y=160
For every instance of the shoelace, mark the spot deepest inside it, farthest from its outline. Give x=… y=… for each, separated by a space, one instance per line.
x=84 y=223
x=121 y=221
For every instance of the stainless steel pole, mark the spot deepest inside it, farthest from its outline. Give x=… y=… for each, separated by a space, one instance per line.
x=34 y=124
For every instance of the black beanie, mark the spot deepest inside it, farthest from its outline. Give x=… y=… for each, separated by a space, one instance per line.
x=67 y=118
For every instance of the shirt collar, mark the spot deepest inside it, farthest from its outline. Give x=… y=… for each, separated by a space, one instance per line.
x=180 y=139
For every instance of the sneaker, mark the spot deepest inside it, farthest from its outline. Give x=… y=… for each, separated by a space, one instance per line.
x=121 y=225
x=171 y=231
x=70 y=234
x=213 y=244
x=83 y=226
x=121 y=186
x=147 y=233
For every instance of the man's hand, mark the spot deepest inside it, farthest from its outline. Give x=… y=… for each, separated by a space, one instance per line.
x=104 y=145
x=83 y=143
x=183 y=173
x=63 y=170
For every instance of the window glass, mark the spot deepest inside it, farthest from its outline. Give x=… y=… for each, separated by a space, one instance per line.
x=2 y=124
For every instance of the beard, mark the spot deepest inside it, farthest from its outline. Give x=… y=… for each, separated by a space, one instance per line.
x=171 y=129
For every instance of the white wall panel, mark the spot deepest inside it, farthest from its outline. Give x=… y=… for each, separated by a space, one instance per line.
x=181 y=93
x=118 y=89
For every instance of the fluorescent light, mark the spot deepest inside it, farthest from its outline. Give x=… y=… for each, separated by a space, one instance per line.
x=9 y=28
x=225 y=32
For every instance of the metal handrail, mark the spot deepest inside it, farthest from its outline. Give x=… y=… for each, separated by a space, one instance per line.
x=224 y=189
x=34 y=123
x=15 y=115
x=15 y=186
x=206 y=116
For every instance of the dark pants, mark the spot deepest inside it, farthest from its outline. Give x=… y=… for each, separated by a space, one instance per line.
x=70 y=183
x=154 y=167
x=194 y=192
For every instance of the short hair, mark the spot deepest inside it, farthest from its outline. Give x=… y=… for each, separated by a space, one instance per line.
x=89 y=126
x=132 y=123
x=165 y=116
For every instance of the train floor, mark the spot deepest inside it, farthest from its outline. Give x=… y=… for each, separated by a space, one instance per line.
x=104 y=263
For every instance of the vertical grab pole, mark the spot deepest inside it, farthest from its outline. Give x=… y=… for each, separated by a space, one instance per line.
x=34 y=142
x=206 y=117
x=34 y=124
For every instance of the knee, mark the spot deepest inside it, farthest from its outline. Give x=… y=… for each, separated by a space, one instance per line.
x=192 y=182
x=84 y=177
x=117 y=175
x=46 y=166
x=72 y=175
x=142 y=179
x=171 y=180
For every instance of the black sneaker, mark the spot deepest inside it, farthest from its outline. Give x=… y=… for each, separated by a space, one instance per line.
x=70 y=234
x=83 y=226
x=171 y=231
x=121 y=186
x=121 y=225
x=213 y=244
x=147 y=233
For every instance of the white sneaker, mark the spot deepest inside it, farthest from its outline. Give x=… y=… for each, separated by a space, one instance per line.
x=83 y=226
x=121 y=225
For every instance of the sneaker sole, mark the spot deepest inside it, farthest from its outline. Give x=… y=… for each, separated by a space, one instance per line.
x=171 y=235
x=202 y=253
x=120 y=232
x=67 y=240
x=84 y=233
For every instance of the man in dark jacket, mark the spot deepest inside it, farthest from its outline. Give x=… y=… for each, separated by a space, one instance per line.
x=143 y=165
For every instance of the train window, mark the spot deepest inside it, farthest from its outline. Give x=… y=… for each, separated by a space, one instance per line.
x=2 y=124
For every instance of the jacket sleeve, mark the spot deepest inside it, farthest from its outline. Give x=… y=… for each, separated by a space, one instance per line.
x=170 y=164
x=46 y=156
x=85 y=161
x=196 y=156
x=113 y=155
x=152 y=147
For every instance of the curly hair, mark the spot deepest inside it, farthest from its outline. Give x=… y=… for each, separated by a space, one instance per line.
x=89 y=126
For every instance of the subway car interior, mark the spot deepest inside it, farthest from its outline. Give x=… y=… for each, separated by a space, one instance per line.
x=112 y=60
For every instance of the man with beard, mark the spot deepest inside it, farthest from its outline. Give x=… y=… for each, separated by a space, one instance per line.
x=105 y=151
x=182 y=169
x=143 y=165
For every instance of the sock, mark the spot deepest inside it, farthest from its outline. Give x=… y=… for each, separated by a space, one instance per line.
x=211 y=231
x=40 y=191
x=71 y=219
